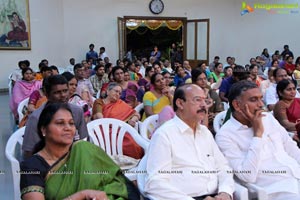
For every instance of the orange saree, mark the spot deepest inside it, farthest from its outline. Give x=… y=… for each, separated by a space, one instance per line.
x=121 y=111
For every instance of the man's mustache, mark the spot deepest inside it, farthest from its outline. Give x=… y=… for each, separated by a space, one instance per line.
x=202 y=110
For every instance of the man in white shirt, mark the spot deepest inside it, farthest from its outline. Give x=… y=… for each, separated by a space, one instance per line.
x=184 y=161
x=271 y=96
x=257 y=147
x=102 y=53
x=17 y=74
x=70 y=68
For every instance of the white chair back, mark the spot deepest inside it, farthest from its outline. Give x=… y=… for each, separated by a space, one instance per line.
x=218 y=120
x=139 y=107
x=10 y=85
x=11 y=155
x=22 y=108
x=108 y=133
x=148 y=126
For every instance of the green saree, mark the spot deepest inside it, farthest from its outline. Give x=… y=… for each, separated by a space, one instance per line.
x=85 y=167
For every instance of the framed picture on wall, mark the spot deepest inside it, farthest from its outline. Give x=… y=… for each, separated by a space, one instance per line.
x=14 y=25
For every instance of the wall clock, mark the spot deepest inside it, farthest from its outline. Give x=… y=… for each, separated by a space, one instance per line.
x=156 y=6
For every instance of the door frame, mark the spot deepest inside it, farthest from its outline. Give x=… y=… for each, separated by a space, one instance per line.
x=123 y=42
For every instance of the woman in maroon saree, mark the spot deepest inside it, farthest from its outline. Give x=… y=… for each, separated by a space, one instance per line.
x=287 y=109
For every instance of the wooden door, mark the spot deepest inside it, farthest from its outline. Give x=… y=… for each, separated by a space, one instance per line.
x=196 y=41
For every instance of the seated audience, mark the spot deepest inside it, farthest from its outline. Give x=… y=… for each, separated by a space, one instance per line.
x=133 y=94
x=131 y=67
x=70 y=68
x=113 y=107
x=187 y=67
x=158 y=97
x=239 y=73
x=169 y=81
x=228 y=72
x=23 y=89
x=180 y=77
x=289 y=65
x=157 y=67
x=144 y=83
x=56 y=90
x=212 y=98
x=184 y=161
x=217 y=73
x=271 y=96
x=36 y=99
x=79 y=72
x=258 y=148
x=17 y=74
x=287 y=109
x=212 y=65
x=77 y=99
x=45 y=71
x=253 y=69
x=105 y=85
x=99 y=78
x=296 y=73
x=54 y=70
x=265 y=84
x=202 y=65
x=61 y=168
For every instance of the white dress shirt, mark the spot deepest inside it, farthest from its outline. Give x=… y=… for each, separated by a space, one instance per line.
x=271 y=162
x=182 y=165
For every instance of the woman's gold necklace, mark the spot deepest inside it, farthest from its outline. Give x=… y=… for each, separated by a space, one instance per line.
x=49 y=156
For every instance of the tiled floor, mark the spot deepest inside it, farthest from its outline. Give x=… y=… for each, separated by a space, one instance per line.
x=6 y=129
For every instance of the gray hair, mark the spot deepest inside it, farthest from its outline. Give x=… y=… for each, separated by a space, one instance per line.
x=112 y=85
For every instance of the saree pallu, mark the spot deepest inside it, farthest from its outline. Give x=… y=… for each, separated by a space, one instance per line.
x=293 y=112
x=21 y=91
x=121 y=111
x=86 y=166
x=38 y=101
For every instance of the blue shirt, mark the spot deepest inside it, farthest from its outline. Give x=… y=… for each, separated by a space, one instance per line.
x=226 y=85
x=93 y=55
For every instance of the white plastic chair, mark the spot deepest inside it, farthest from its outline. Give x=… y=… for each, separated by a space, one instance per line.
x=10 y=85
x=108 y=133
x=11 y=155
x=102 y=136
x=22 y=108
x=139 y=107
x=218 y=120
x=148 y=126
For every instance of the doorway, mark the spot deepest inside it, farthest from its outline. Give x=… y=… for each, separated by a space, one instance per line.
x=141 y=34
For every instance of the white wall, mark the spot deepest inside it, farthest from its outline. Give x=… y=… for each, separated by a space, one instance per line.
x=46 y=39
x=64 y=29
